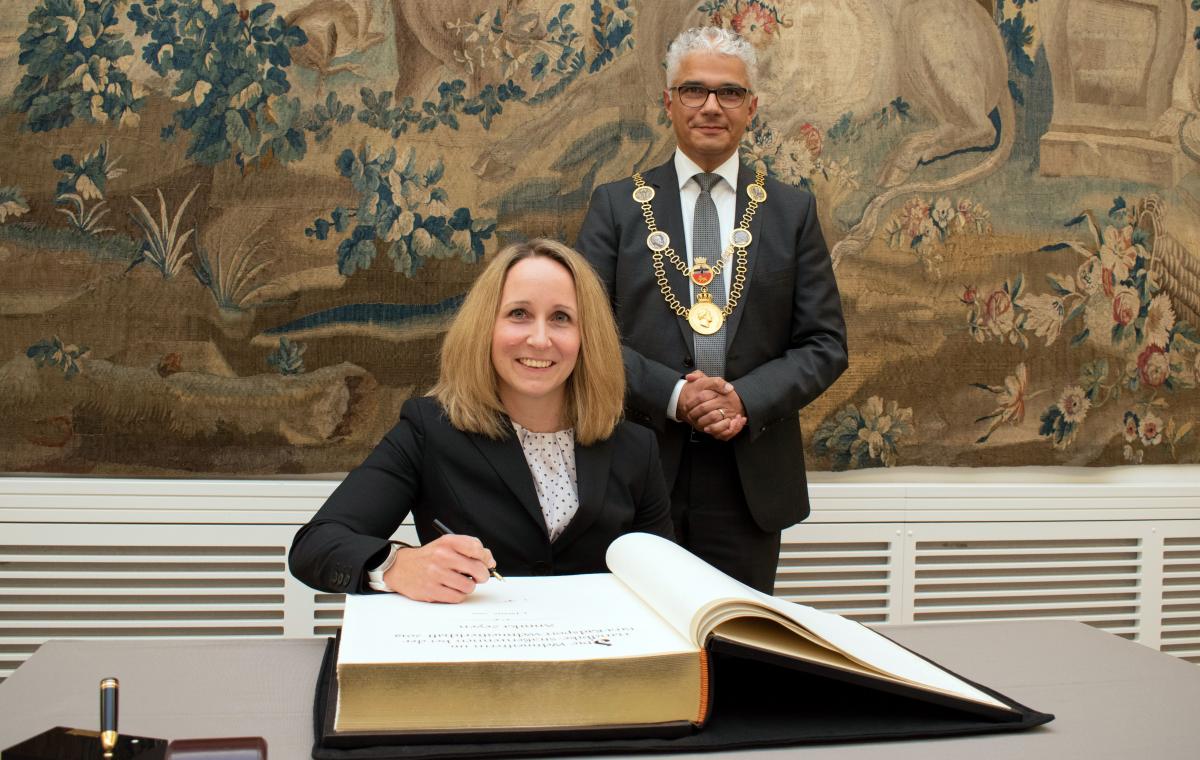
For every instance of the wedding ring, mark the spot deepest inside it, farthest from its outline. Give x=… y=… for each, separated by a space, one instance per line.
x=722 y=411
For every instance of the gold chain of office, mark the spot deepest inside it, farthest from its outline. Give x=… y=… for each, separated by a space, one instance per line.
x=704 y=316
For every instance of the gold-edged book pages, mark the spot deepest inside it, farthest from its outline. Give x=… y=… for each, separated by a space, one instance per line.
x=523 y=653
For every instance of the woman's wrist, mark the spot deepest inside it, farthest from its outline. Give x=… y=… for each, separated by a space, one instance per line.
x=378 y=577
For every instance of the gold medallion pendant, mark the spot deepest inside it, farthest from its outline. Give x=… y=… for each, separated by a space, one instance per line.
x=705 y=317
x=756 y=192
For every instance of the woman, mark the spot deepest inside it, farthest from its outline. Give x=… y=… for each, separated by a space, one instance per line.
x=519 y=448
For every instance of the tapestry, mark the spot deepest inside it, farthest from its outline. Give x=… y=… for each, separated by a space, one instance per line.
x=232 y=232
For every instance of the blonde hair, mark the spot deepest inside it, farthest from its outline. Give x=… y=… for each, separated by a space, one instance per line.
x=467 y=385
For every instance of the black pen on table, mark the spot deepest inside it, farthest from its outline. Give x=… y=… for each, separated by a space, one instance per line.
x=445 y=531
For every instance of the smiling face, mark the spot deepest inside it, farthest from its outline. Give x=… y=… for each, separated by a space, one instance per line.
x=709 y=134
x=535 y=341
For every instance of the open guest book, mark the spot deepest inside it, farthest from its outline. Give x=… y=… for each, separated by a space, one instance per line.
x=625 y=654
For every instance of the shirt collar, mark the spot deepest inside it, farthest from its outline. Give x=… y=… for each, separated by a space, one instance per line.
x=686 y=168
x=523 y=433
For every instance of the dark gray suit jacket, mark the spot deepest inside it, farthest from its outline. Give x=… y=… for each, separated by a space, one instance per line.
x=786 y=340
x=480 y=487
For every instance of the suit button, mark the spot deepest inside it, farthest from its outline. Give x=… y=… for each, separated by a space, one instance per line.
x=687 y=362
x=541 y=568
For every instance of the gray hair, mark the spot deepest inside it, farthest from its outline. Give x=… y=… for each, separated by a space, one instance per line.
x=711 y=39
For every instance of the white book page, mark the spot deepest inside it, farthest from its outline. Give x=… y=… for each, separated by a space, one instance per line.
x=696 y=597
x=867 y=647
x=672 y=580
x=564 y=618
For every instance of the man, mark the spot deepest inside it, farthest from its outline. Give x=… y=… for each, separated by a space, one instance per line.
x=729 y=313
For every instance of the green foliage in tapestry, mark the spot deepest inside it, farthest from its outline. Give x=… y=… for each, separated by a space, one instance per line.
x=288 y=357
x=555 y=70
x=82 y=182
x=868 y=436
x=111 y=247
x=229 y=275
x=232 y=77
x=83 y=219
x=75 y=62
x=52 y=352
x=324 y=116
x=1017 y=34
x=404 y=211
x=164 y=240
x=844 y=129
x=377 y=111
x=612 y=28
x=89 y=176
x=12 y=203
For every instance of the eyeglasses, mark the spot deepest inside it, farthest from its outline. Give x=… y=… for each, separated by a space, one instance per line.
x=695 y=96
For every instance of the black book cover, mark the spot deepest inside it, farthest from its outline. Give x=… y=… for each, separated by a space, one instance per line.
x=755 y=703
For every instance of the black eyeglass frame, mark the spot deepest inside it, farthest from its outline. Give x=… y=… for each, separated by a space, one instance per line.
x=744 y=91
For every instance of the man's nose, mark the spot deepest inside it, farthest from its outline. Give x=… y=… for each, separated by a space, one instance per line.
x=711 y=104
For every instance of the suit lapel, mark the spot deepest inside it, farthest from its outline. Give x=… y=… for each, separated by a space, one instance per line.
x=745 y=178
x=507 y=458
x=669 y=215
x=592 y=464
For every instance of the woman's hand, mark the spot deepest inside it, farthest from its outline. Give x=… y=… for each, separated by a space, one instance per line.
x=445 y=570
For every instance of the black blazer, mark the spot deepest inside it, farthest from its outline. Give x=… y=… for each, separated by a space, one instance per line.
x=481 y=487
x=786 y=340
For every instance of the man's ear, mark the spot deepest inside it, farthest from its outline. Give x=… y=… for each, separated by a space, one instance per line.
x=667 y=103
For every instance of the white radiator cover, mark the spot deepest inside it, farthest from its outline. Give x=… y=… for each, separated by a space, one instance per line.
x=1116 y=548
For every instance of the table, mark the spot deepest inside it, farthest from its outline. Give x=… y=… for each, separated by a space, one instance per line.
x=1112 y=698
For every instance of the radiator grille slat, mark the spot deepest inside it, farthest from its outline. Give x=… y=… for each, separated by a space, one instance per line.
x=1180 y=622
x=1091 y=579
x=103 y=553
x=850 y=578
x=84 y=597
x=327 y=615
x=131 y=590
x=40 y=635
x=22 y=615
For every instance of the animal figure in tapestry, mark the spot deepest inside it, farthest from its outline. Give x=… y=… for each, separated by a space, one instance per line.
x=335 y=30
x=839 y=56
